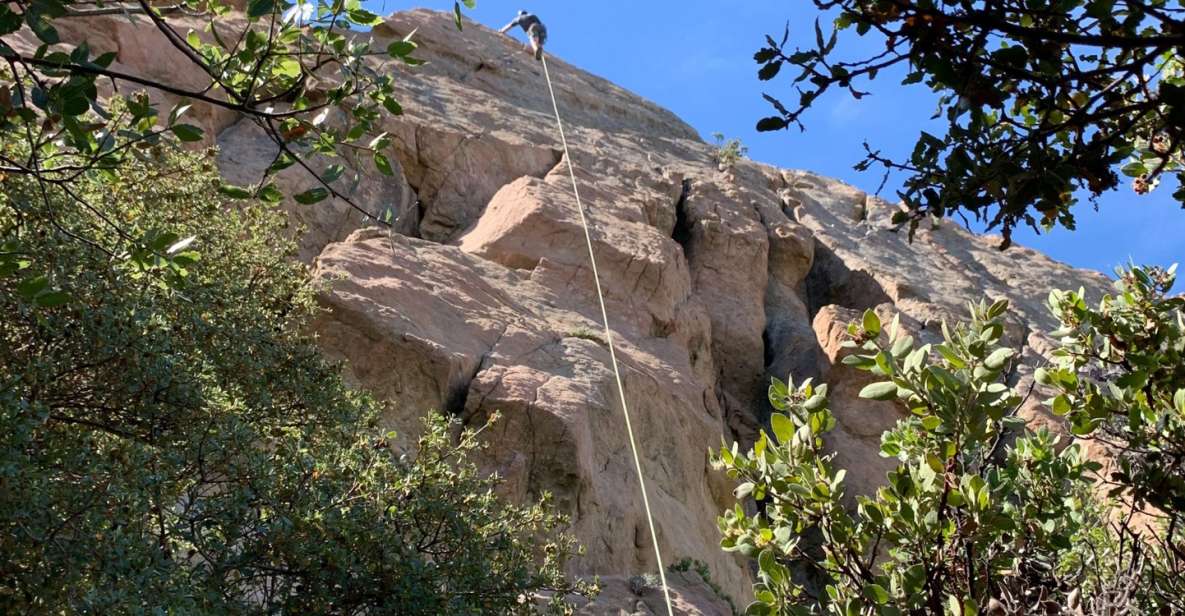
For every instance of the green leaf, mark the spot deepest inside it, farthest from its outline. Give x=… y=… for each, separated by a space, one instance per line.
x=31 y=287
x=234 y=192
x=782 y=426
x=52 y=299
x=392 y=106
x=10 y=21
x=281 y=163
x=902 y=346
x=815 y=403
x=951 y=357
x=913 y=578
x=876 y=593
x=105 y=60
x=931 y=422
x=1133 y=380
x=914 y=360
x=457 y=16
x=383 y=164
x=860 y=362
x=41 y=27
x=311 y=196
x=178 y=111
x=76 y=105
x=1134 y=169
x=885 y=390
x=259 y=8
x=771 y=123
x=1179 y=400
x=332 y=173
x=288 y=67
x=778 y=388
x=271 y=194
x=998 y=358
x=187 y=132
x=400 y=49
x=363 y=17
x=766 y=561
x=872 y=323
x=769 y=71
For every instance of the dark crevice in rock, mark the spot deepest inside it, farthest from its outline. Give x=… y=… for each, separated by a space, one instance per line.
x=458 y=395
x=418 y=213
x=660 y=328
x=791 y=351
x=767 y=347
x=831 y=282
x=682 y=232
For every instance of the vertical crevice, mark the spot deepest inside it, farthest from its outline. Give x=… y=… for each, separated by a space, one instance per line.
x=682 y=231
x=458 y=395
x=767 y=346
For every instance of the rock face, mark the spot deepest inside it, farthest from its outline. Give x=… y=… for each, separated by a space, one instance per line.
x=481 y=299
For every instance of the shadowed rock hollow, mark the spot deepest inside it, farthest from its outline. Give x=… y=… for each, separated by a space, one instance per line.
x=482 y=300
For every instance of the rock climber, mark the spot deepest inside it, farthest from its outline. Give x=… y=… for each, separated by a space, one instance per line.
x=534 y=28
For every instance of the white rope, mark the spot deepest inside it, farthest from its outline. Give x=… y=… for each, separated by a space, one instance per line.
x=629 y=428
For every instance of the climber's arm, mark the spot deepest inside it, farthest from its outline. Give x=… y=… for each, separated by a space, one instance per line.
x=510 y=25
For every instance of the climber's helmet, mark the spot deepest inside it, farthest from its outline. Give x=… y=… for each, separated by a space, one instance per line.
x=521 y=12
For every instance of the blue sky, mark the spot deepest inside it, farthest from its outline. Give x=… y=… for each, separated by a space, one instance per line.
x=694 y=57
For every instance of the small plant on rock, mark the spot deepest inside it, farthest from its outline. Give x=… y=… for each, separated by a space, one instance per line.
x=585 y=333
x=729 y=151
x=701 y=569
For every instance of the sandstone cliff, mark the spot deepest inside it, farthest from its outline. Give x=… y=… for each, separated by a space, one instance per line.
x=482 y=300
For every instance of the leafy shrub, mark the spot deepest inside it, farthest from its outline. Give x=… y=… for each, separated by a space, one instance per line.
x=729 y=151
x=173 y=441
x=965 y=523
x=1120 y=379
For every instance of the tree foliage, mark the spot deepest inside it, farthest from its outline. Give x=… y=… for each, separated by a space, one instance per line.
x=980 y=515
x=1041 y=99
x=173 y=442
x=302 y=70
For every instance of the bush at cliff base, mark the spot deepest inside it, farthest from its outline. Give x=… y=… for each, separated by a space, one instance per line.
x=172 y=442
x=982 y=515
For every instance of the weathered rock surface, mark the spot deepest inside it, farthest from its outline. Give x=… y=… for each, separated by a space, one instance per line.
x=481 y=299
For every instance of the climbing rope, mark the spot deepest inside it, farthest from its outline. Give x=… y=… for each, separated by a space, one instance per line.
x=629 y=428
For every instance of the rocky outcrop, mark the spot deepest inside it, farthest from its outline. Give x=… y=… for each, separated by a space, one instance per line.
x=480 y=299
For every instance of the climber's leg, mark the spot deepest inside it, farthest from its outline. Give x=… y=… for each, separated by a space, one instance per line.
x=538 y=36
